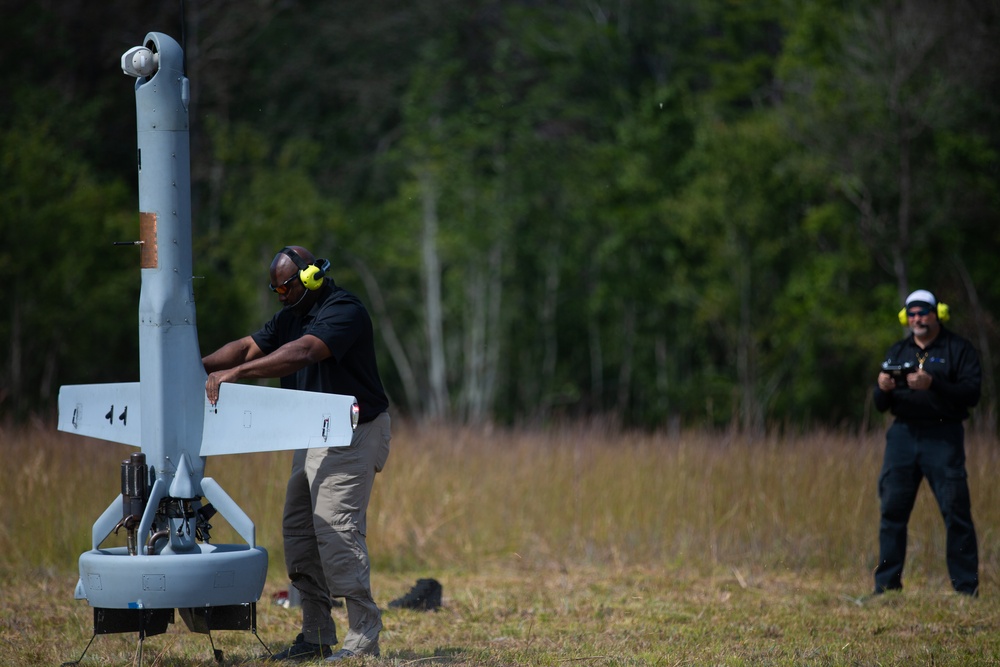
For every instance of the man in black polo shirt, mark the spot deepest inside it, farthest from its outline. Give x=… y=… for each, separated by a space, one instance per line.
x=321 y=340
x=938 y=382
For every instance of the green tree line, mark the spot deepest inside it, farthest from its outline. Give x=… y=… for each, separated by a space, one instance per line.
x=667 y=213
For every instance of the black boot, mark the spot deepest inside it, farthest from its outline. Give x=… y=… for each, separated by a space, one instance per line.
x=425 y=596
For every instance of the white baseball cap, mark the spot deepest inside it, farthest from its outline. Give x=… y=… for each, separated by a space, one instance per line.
x=921 y=298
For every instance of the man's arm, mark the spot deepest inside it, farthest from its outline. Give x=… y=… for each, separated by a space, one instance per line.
x=286 y=360
x=966 y=388
x=883 y=391
x=232 y=354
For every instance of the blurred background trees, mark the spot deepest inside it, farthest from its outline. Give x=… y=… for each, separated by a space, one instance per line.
x=669 y=214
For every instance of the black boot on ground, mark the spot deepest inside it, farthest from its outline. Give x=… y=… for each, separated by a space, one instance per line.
x=424 y=596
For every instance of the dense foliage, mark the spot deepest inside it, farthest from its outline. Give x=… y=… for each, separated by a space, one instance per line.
x=664 y=212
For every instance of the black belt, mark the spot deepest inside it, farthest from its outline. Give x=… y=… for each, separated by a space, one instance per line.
x=368 y=420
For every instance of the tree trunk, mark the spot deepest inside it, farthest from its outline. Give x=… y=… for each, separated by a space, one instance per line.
x=987 y=406
x=385 y=326
x=483 y=293
x=471 y=402
x=750 y=409
x=433 y=312
x=14 y=369
x=625 y=369
x=550 y=346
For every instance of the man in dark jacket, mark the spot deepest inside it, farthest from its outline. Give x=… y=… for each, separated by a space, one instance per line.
x=929 y=381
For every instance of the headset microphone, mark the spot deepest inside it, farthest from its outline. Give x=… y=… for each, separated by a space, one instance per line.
x=295 y=306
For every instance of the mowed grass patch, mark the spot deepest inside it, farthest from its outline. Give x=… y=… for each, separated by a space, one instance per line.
x=578 y=545
x=592 y=616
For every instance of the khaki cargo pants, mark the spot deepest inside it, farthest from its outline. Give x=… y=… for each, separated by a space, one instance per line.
x=324 y=534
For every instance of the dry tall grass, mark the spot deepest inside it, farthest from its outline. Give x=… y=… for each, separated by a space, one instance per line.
x=578 y=545
x=461 y=498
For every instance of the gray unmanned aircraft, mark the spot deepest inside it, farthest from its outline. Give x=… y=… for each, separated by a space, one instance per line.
x=165 y=499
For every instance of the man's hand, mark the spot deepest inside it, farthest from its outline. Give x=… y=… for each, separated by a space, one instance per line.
x=215 y=379
x=920 y=380
x=886 y=382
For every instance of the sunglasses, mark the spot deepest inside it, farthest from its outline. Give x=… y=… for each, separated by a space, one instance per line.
x=283 y=287
x=918 y=313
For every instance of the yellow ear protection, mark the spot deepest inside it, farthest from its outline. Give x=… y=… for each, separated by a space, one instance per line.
x=942 y=313
x=311 y=275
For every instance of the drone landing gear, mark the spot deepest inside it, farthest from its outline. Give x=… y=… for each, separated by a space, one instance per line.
x=150 y=622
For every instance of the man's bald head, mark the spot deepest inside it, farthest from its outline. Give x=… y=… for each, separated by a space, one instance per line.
x=288 y=270
x=284 y=257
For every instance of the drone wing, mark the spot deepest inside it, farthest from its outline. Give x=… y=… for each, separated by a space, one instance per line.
x=105 y=411
x=250 y=418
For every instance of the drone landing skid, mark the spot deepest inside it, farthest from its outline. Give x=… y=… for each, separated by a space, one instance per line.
x=151 y=622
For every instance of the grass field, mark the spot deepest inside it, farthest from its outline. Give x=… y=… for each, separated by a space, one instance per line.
x=574 y=546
